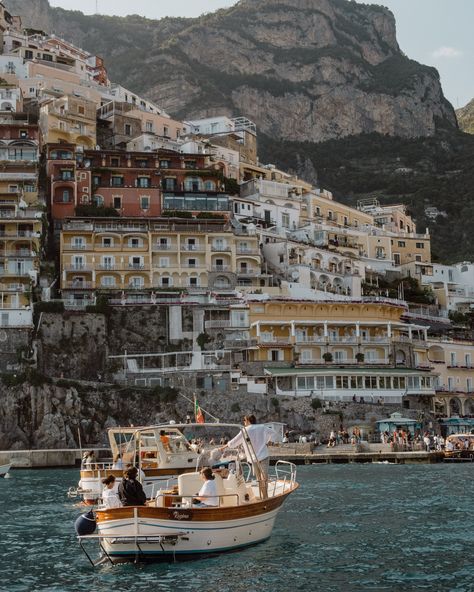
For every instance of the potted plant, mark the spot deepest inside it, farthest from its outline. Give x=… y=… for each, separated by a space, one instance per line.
x=360 y=357
x=327 y=357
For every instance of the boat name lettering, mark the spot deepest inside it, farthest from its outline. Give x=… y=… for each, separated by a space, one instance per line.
x=181 y=515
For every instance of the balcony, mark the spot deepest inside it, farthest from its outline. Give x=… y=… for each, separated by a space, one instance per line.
x=75 y=285
x=194 y=248
x=83 y=267
x=198 y=265
x=346 y=362
x=222 y=324
x=220 y=248
x=76 y=247
x=247 y=251
x=220 y=268
x=19 y=234
x=163 y=247
x=249 y=272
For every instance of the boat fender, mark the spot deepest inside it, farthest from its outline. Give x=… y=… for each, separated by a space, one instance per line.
x=85 y=524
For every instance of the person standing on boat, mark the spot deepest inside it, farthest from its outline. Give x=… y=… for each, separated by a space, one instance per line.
x=207 y=495
x=110 y=496
x=259 y=435
x=130 y=490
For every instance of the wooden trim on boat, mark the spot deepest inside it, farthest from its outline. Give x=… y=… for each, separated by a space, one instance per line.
x=245 y=510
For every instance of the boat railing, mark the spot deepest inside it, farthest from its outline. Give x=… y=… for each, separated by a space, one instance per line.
x=185 y=502
x=98 y=466
x=284 y=471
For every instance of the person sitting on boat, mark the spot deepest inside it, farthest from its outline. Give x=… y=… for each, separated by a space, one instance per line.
x=110 y=498
x=118 y=463
x=259 y=435
x=130 y=490
x=207 y=495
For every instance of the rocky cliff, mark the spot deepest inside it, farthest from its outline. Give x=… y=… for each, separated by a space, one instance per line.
x=465 y=117
x=308 y=70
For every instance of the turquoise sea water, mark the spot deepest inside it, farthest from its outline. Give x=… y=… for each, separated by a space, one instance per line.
x=348 y=528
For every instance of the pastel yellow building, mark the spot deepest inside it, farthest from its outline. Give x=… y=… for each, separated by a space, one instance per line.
x=124 y=255
x=336 y=350
x=69 y=119
x=453 y=361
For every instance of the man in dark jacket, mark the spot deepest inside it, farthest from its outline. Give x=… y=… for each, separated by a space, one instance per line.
x=130 y=490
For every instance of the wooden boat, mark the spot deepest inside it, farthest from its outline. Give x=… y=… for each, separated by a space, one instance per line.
x=4 y=469
x=171 y=526
x=459 y=447
x=161 y=460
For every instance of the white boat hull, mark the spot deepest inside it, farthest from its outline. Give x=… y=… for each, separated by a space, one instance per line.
x=4 y=469
x=151 y=540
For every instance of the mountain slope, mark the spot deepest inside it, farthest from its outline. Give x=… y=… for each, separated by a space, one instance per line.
x=465 y=117
x=310 y=70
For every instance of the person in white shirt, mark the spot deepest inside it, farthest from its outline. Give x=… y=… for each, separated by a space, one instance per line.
x=118 y=463
x=110 y=498
x=207 y=496
x=259 y=435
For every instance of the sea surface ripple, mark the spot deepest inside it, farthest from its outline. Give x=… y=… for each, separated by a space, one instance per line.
x=348 y=528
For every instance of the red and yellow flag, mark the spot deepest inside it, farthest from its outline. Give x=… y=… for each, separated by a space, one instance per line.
x=198 y=414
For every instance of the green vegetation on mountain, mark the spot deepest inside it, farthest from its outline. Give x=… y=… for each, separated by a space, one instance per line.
x=426 y=172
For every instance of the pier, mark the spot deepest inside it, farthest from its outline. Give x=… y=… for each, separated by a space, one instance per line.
x=300 y=454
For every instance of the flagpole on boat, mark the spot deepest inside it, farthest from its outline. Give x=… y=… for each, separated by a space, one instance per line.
x=193 y=401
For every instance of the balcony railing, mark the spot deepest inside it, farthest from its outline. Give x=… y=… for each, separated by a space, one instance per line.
x=186 y=247
x=220 y=268
x=247 y=251
x=163 y=247
x=78 y=285
x=249 y=272
x=346 y=362
x=217 y=324
x=76 y=247
x=85 y=267
x=220 y=248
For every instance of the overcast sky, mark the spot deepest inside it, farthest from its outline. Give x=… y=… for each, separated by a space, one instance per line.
x=434 y=32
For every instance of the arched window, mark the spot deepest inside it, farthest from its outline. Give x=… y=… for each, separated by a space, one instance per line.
x=210 y=186
x=193 y=184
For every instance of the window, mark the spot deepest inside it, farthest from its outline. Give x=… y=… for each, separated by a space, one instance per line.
x=166 y=281
x=128 y=129
x=98 y=200
x=135 y=243
x=149 y=126
x=143 y=182
x=166 y=130
x=114 y=161
x=66 y=196
x=107 y=281
x=117 y=202
x=451 y=383
x=47 y=57
x=194 y=281
x=107 y=242
x=209 y=186
x=401 y=244
x=164 y=261
x=144 y=202
x=79 y=242
x=396 y=258
x=417 y=257
x=165 y=164
x=108 y=262
x=192 y=263
x=467 y=360
x=137 y=282
x=136 y=263
x=420 y=245
x=78 y=262
x=193 y=184
x=116 y=181
x=81 y=110
x=285 y=220
x=28 y=56
x=453 y=358
x=96 y=180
